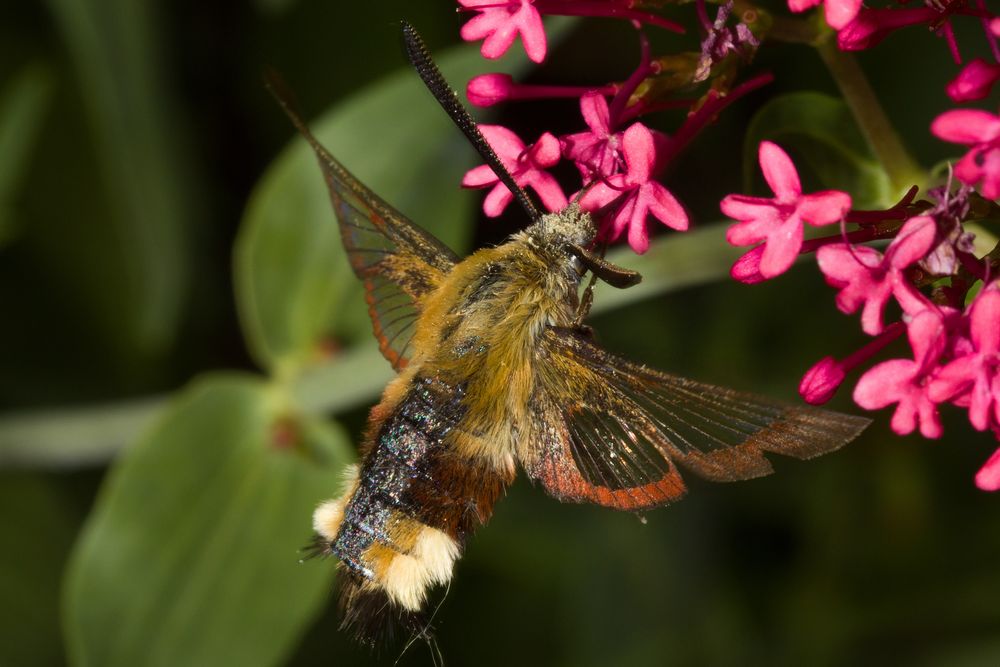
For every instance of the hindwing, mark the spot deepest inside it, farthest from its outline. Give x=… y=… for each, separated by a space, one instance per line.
x=613 y=432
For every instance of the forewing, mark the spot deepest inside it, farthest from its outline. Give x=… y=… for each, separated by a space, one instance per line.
x=614 y=430
x=399 y=263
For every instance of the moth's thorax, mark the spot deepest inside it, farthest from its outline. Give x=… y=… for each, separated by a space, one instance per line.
x=480 y=328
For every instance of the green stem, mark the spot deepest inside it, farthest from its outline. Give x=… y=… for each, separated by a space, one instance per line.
x=92 y=435
x=899 y=165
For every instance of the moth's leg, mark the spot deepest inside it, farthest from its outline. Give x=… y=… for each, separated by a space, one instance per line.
x=585 y=303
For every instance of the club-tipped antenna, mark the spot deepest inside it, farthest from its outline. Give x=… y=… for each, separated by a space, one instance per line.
x=420 y=58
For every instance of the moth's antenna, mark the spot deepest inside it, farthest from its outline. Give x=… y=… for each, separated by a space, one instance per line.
x=416 y=52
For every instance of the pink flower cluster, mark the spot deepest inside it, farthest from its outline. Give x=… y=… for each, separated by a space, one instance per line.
x=619 y=158
x=955 y=347
x=941 y=295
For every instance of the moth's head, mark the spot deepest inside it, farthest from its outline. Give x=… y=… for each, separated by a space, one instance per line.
x=570 y=226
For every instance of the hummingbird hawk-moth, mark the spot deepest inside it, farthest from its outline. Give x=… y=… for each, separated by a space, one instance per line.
x=496 y=372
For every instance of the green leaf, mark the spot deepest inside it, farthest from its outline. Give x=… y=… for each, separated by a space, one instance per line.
x=822 y=133
x=673 y=262
x=293 y=285
x=190 y=555
x=114 y=47
x=23 y=102
x=39 y=524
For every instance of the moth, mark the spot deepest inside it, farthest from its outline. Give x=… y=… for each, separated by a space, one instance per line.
x=497 y=373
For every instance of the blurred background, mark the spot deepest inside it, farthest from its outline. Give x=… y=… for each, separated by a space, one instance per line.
x=187 y=364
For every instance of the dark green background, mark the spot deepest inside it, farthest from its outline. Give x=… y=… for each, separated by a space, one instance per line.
x=881 y=553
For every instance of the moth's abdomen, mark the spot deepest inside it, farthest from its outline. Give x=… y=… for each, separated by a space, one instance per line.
x=402 y=522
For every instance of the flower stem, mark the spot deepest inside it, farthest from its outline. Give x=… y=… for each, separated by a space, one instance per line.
x=899 y=165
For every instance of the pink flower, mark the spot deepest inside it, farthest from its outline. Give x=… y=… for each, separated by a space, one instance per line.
x=489 y=89
x=526 y=165
x=988 y=477
x=981 y=130
x=747 y=268
x=500 y=22
x=867 y=279
x=838 y=12
x=871 y=26
x=597 y=153
x=778 y=221
x=821 y=382
x=903 y=382
x=977 y=374
x=974 y=81
x=634 y=195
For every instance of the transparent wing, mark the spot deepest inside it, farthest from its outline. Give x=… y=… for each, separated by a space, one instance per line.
x=398 y=262
x=615 y=429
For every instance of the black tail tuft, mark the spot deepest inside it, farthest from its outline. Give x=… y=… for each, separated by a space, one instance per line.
x=318 y=546
x=372 y=618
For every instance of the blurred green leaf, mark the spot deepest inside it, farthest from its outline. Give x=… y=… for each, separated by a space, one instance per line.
x=114 y=46
x=23 y=103
x=673 y=262
x=293 y=285
x=189 y=557
x=39 y=525
x=823 y=134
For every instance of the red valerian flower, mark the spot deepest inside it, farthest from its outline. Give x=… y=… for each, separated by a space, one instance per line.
x=838 y=13
x=632 y=196
x=871 y=26
x=500 y=22
x=488 y=89
x=980 y=130
x=778 y=221
x=974 y=81
x=821 y=382
x=526 y=165
x=866 y=279
x=904 y=382
x=975 y=377
x=596 y=153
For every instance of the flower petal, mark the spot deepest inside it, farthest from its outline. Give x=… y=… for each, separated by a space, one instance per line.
x=779 y=171
x=881 y=385
x=824 y=208
x=782 y=248
x=639 y=152
x=839 y=13
x=664 y=206
x=529 y=24
x=966 y=126
x=745 y=209
x=985 y=321
x=478 y=177
x=594 y=108
x=497 y=200
x=507 y=145
x=988 y=477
